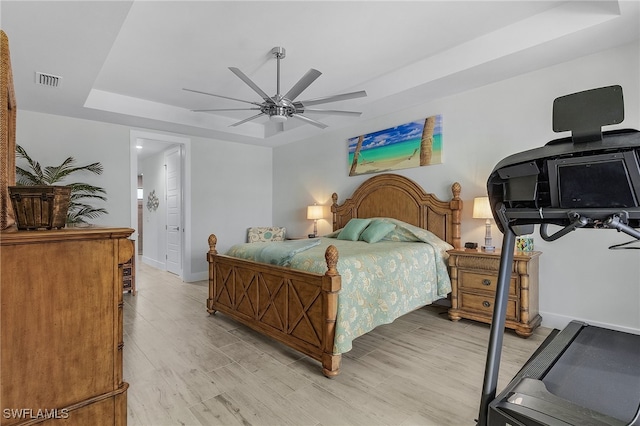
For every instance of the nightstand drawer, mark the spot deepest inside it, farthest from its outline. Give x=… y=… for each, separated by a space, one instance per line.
x=480 y=281
x=484 y=304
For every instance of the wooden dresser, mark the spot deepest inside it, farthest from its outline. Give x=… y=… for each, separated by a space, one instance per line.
x=474 y=276
x=61 y=326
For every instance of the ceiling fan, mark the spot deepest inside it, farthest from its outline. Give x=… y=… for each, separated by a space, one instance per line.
x=281 y=107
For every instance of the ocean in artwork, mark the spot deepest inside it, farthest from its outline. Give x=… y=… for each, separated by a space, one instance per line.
x=395 y=148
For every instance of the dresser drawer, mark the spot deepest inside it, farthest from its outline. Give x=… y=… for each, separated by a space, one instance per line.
x=479 y=281
x=484 y=304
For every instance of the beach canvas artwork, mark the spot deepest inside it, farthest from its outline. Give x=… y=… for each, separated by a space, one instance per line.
x=414 y=144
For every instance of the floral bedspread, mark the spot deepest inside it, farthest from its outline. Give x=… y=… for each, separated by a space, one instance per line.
x=381 y=281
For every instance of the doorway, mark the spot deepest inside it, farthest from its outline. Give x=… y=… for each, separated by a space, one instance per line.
x=164 y=200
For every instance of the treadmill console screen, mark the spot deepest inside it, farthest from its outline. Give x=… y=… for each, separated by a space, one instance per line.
x=600 y=181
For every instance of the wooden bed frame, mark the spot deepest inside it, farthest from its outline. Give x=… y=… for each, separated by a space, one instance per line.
x=299 y=308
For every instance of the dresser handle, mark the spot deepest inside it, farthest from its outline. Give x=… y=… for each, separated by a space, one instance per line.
x=486 y=282
x=486 y=304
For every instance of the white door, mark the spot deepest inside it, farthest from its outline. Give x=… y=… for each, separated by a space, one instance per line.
x=174 y=211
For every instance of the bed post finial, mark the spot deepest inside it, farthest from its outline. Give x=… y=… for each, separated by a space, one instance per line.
x=331 y=256
x=456 y=188
x=213 y=240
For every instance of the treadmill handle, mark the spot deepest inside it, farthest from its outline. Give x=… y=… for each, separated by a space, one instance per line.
x=577 y=222
x=617 y=222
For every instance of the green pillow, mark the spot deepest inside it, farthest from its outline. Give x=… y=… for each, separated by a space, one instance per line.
x=353 y=229
x=376 y=231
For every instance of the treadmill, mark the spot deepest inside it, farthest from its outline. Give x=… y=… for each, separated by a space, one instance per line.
x=582 y=375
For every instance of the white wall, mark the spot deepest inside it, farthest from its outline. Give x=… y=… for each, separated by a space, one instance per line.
x=231 y=190
x=231 y=184
x=580 y=278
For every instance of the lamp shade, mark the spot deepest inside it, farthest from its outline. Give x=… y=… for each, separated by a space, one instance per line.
x=315 y=212
x=481 y=208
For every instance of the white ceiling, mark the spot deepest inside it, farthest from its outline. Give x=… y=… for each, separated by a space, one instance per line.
x=126 y=62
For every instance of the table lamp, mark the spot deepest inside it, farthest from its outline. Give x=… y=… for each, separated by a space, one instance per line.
x=315 y=212
x=482 y=210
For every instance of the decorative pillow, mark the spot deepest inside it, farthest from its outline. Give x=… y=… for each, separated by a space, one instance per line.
x=376 y=231
x=265 y=234
x=353 y=229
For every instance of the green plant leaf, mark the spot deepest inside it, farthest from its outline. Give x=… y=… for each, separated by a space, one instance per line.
x=35 y=174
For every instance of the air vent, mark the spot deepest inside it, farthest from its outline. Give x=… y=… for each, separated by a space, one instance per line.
x=49 y=80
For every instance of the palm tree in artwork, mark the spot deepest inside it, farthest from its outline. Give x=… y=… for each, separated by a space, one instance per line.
x=426 y=143
x=356 y=154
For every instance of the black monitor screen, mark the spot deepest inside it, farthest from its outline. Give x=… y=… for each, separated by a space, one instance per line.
x=598 y=184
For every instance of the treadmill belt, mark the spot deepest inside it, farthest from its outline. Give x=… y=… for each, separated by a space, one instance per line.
x=600 y=370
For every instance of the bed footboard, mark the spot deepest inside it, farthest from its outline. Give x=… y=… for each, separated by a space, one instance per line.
x=296 y=308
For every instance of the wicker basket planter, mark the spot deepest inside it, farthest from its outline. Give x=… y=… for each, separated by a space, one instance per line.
x=40 y=207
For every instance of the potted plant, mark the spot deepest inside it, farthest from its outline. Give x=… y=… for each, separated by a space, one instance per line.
x=79 y=211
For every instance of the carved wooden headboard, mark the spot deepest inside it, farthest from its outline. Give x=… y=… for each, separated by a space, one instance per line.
x=395 y=196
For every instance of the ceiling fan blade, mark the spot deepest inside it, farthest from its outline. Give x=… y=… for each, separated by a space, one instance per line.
x=302 y=84
x=226 y=109
x=247 y=119
x=251 y=84
x=334 y=98
x=220 y=96
x=310 y=121
x=332 y=112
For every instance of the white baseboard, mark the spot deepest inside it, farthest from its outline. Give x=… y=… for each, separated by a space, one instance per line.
x=154 y=263
x=550 y=320
x=197 y=276
x=188 y=278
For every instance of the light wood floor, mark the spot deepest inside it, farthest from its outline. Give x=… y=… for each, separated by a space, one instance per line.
x=186 y=367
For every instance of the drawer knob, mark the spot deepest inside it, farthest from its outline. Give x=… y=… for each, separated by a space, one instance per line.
x=486 y=282
x=486 y=304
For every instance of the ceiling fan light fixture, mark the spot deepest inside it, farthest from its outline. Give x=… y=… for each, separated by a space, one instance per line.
x=278 y=118
x=278 y=114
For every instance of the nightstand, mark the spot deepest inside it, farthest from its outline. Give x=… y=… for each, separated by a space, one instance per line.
x=474 y=276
